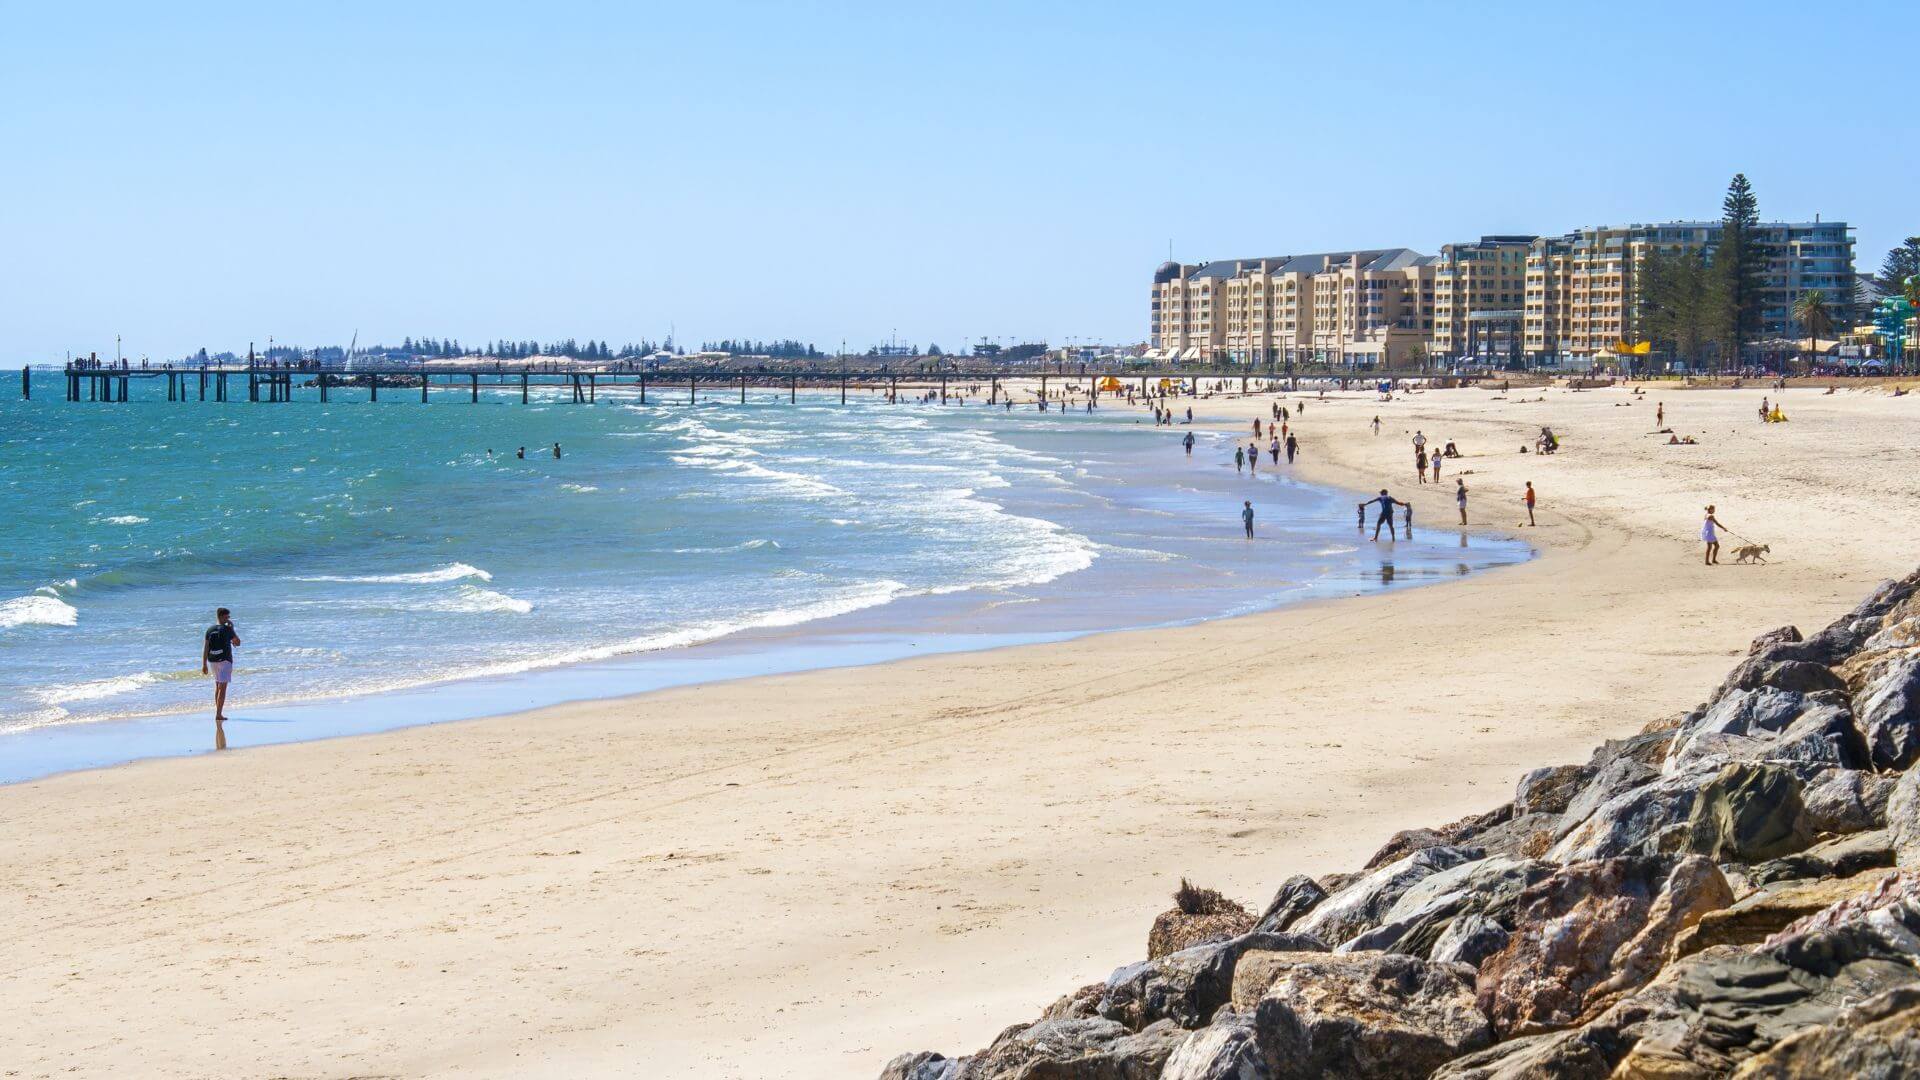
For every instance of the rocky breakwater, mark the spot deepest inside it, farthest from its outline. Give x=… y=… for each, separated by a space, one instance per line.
x=1732 y=892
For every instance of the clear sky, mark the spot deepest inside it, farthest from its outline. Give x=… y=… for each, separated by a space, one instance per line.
x=194 y=174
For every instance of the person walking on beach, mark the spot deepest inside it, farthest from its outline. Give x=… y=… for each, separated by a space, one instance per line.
x=1435 y=462
x=1376 y=426
x=1293 y=445
x=1460 y=497
x=1273 y=447
x=1386 y=503
x=1419 y=439
x=1710 y=532
x=1764 y=409
x=1659 y=414
x=1253 y=458
x=1420 y=464
x=1246 y=517
x=1188 y=442
x=1529 y=499
x=216 y=659
x=1239 y=459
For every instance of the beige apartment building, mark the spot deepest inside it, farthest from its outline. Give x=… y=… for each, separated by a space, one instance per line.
x=1348 y=308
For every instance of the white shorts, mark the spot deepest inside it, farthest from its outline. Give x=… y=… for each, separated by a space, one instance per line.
x=222 y=670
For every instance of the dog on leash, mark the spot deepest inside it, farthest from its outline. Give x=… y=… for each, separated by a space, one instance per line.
x=1751 y=553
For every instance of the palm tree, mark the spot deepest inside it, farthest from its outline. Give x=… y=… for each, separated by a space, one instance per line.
x=1811 y=310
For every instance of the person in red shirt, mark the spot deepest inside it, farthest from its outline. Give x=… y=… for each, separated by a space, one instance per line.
x=1529 y=498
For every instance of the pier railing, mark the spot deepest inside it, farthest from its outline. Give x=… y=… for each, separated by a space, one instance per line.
x=218 y=383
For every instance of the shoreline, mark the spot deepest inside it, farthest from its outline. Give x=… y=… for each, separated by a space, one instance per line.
x=823 y=868
x=925 y=622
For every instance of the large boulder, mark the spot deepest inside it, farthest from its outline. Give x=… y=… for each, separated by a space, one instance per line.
x=1360 y=905
x=1749 y=813
x=1878 y=1039
x=1227 y=1049
x=1359 y=1016
x=1486 y=887
x=1186 y=987
x=1094 y=1049
x=1550 y=790
x=1608 y=782
x=1768 y=724
x=1842 y=856
x=1890 y=907
x=1769 y=910
x=1590 y=933
x=1886 y=710
x=1847 y=800
x=1648 y=819
x=1468 y=940
x=921 y=1065
x=1197 y=916
x=1586 y=1053
x=1296 y=896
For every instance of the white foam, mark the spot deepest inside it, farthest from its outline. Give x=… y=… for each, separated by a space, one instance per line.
x=124 y=519
x=94 y=689
x=37 y=611
x=441 y=575
x=472 y=598
x=579 y=488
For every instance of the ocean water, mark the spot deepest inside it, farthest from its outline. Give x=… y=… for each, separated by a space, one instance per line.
x=374 y=553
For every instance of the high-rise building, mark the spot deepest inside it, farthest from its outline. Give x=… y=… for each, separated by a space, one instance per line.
x=1351 y=308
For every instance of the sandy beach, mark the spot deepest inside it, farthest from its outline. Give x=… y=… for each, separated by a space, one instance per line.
x=804 y=875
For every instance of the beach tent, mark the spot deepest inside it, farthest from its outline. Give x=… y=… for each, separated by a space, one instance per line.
x=1110 y=384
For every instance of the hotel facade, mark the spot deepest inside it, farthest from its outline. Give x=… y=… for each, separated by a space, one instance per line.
x=1500 y=300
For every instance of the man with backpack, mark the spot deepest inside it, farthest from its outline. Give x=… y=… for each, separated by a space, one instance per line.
x=216 y=659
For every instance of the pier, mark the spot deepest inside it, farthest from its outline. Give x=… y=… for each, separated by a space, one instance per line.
x=582 y=386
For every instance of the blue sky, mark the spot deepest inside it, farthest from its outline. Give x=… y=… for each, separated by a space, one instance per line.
x=194 y=174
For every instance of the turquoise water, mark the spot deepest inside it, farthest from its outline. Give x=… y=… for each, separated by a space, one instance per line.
x=376 y=549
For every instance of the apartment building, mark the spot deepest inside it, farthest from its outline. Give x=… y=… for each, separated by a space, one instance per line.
x=1350 y=308
x=1479 y=298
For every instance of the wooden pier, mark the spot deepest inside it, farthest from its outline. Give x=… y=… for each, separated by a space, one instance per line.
x=94 y=383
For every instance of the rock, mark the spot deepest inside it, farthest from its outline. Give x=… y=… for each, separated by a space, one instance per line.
x=1755 y=918
x=1198 y=916
x=1360 y=1016
x=1590 y=933
x=1359 y=906
x=1093 y=1049
x=1850 y=632
x=1297 y=896
x=1224 y=1050
x=1549 y=790
x=1648 y=819
x=1878 y=1039
x=1842 y=856
x=1780 y=635
x=1581 y=1054
x=1078 y=1005
x=1609 y=782
x=1903 y=820
x=1886 y=710
x=1490 y=887
x=1187 y=986
x=1649 y=749
x=1404 y=843
x=1469 y=939
x=1526 y=836
x=1890 y=905
x=1801 y=676
x=924 y=1065
x=1847 y=801
x=1768 y=724
x=1749 y=813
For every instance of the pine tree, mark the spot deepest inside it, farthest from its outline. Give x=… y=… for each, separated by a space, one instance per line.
x=1901 y=263
x=1740 y=262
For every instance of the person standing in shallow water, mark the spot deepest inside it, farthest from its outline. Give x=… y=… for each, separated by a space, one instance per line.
x=216 y=659
x=1239 y=459
x=1246 y=517
x=1188 y=443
